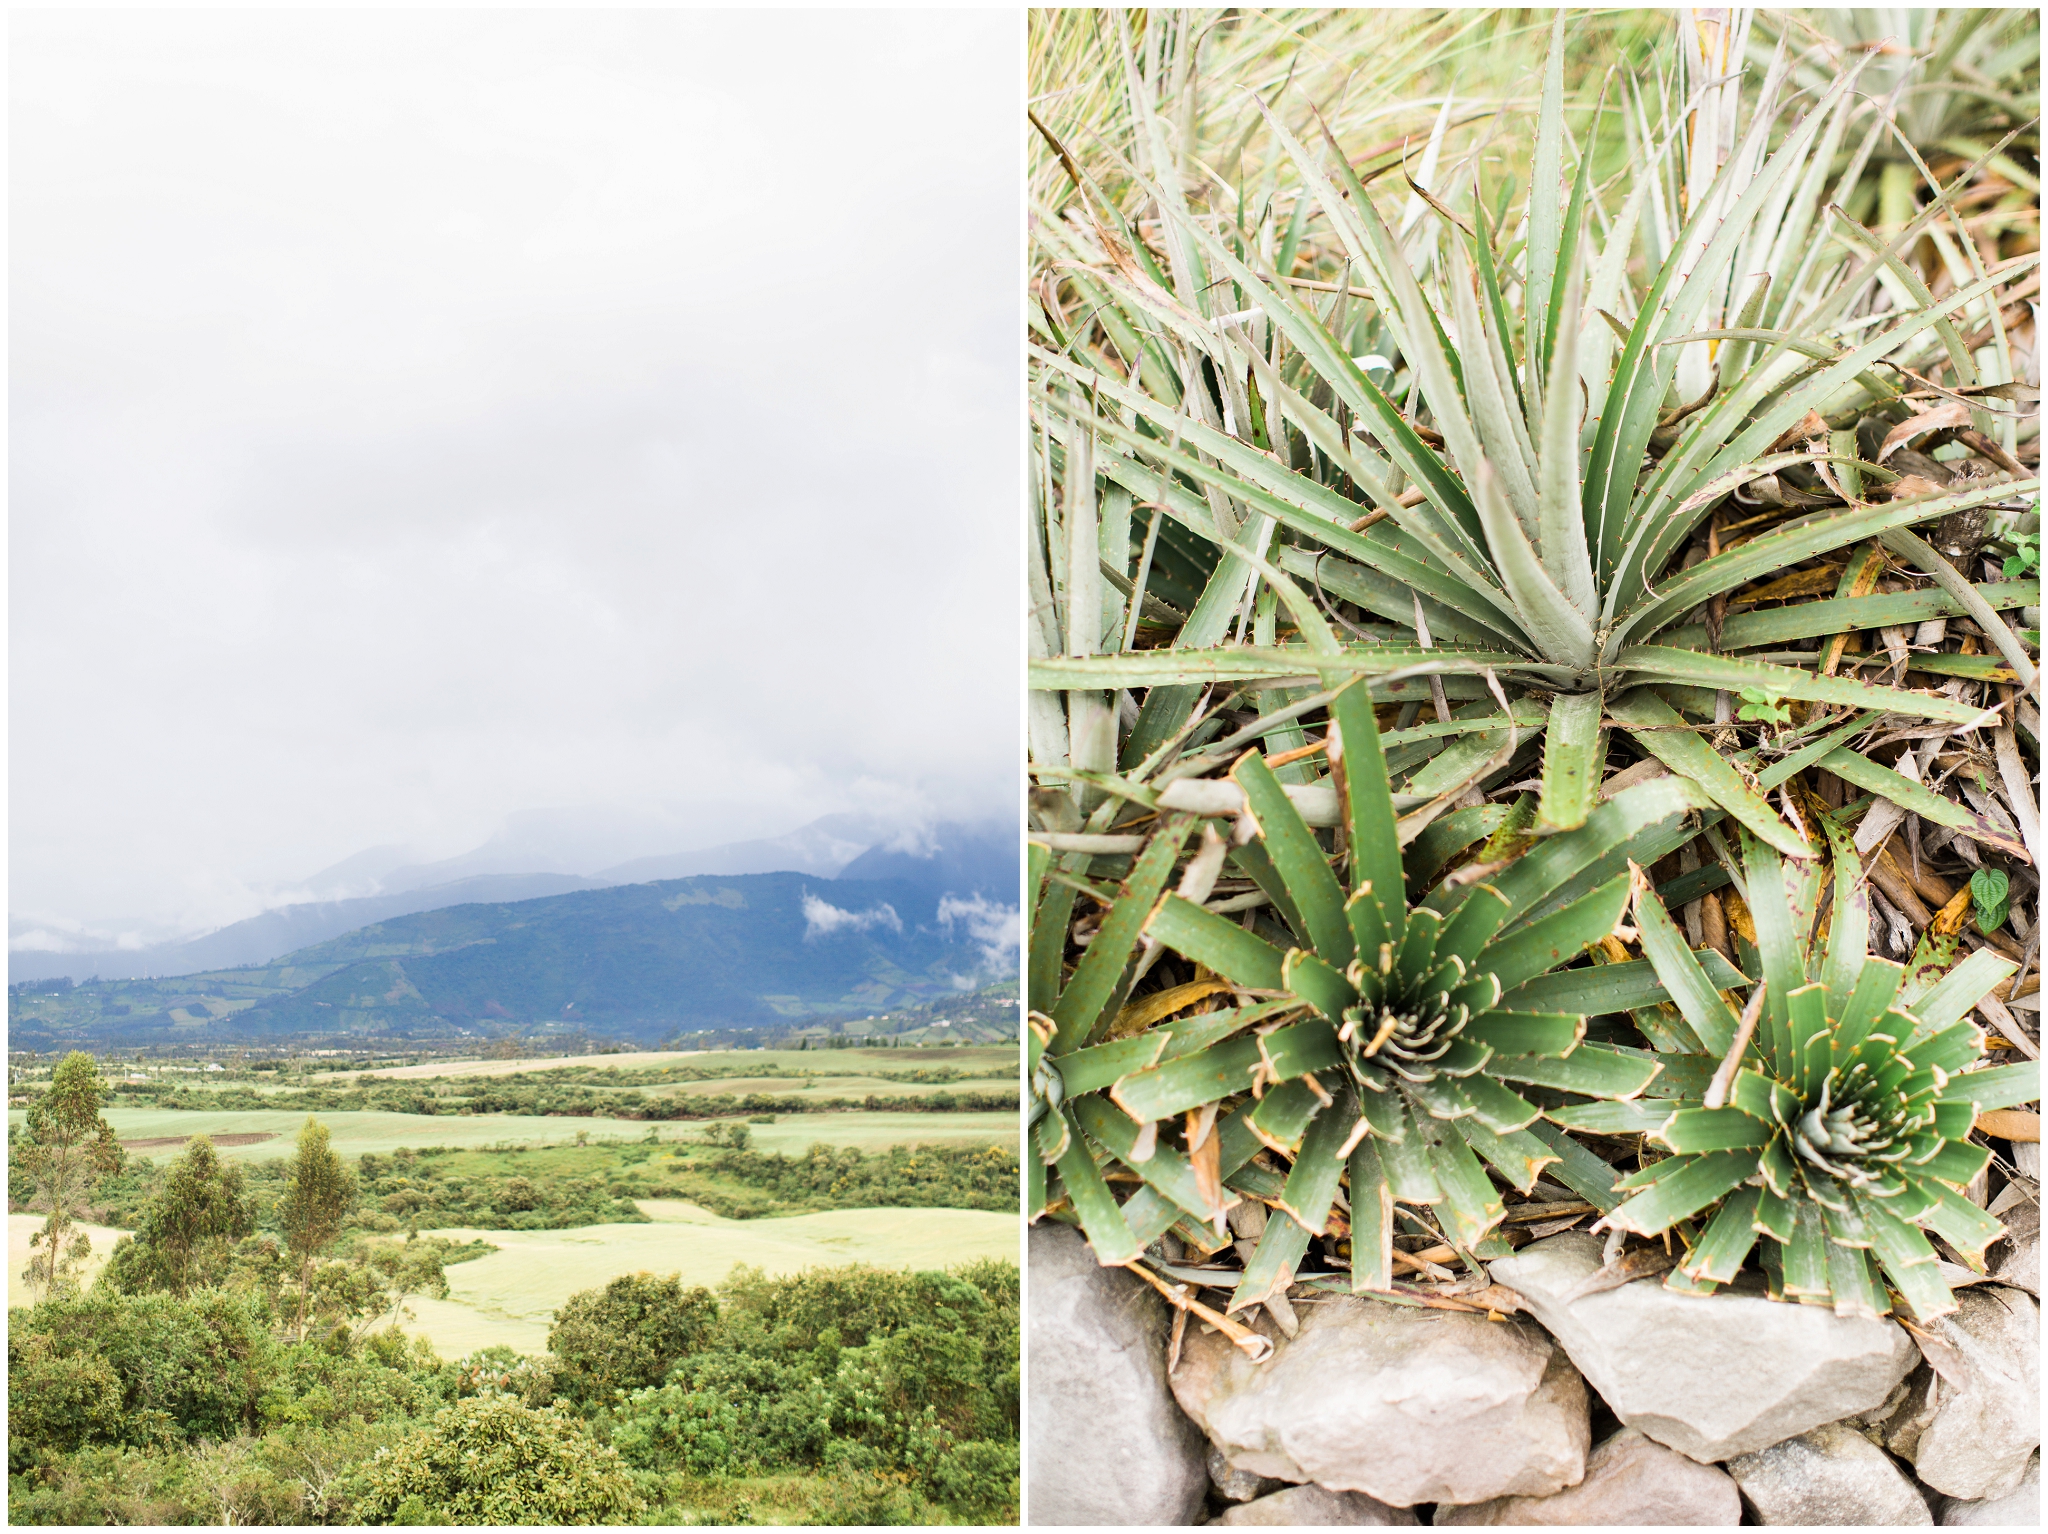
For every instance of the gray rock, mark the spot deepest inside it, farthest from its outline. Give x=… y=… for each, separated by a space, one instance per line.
x=1107 y=1443
x=2015 y=1259
x=1970 y=1427
x=1710 y=1376
x=2019 y=1509
x=1313 y=1506
x=1630 y=1480
x=1404 y=1404
x=1231 y=1483
x=1832 y=1475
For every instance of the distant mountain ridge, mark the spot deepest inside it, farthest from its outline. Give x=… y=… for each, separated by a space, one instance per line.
x=961 y=858
x=637 y=961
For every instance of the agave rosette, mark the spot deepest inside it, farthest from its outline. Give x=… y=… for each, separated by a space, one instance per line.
x=1373 y=1044
x=1837 y=1131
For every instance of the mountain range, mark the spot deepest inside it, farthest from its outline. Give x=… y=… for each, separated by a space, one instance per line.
x=639 y=962
x=966 y=860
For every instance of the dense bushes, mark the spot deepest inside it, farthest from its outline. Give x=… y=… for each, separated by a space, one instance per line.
x=853 y=1371
x=848 y=1396
x=561 y=1187
x=133 y=1371
x=218 y=1374
x=628 y=1334
x=545 y=1097
x=495 y=1460
x=902 y=1177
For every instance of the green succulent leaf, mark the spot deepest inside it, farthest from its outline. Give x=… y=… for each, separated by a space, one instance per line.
x=1845 y=1130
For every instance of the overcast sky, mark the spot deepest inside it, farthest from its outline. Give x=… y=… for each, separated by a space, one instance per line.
x=423 y=418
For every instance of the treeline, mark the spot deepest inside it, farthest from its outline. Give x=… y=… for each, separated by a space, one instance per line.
x=559 y=1187
x=849 y=1396
x=543 y=1099
x=564 y=1186
x=902 y=1177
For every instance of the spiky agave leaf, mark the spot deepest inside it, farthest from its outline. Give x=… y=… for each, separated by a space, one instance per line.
x=1376 y=1043
x=1841 y=1128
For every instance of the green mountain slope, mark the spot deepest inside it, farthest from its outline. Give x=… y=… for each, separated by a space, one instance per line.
x=634 y=961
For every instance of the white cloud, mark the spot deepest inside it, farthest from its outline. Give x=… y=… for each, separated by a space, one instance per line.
x=821 y=917
x=998 y=928
x=402 y=439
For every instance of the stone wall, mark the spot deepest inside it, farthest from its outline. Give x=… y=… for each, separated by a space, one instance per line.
x=1631 y=1406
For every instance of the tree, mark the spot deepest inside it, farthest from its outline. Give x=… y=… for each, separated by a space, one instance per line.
x=628 y=1334
x=195 y=1219
x=492 y=1459
x=319 y=1193
x=68 y=1149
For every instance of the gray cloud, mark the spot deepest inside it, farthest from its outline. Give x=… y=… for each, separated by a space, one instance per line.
x=424 y=418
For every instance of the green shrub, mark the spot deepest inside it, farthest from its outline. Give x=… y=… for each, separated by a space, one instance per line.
x=728 y=1413
x=187 y=1368
x=58 y=1399
x=494 y=1460
x=871 y=1378
x=627 y=1335
x=978 y=1481
x=842 y=1499
x=105 y=1485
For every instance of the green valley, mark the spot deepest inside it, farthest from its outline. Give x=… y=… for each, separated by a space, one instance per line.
x=587 y=1280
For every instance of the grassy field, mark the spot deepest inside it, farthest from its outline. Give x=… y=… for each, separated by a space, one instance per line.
x=796 y=1133
x=834 y=1086
x=510 y=1296
x=22 y=1226
x=1001 y=1077
x=383 y=1133
x=996 y=1060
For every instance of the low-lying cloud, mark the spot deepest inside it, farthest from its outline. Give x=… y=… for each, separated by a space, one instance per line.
x=998 y=929
x=821 y=917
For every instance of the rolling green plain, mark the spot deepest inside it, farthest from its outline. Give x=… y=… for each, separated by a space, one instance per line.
x=509 y=1296
x=382 y=1133
x=994 y=1061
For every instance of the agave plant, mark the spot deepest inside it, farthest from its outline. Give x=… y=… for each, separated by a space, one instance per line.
x=1514 y=475
x=1961 y=78
x=1836 y=1123
x=1376 y=1044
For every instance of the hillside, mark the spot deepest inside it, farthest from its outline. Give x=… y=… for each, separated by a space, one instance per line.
x=636 y=962
x=260 y=940
x=965 y=858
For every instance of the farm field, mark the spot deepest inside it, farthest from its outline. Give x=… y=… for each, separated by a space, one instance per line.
x=354 y=1133
x=816 y=1087
x=792 y=1134
x=997 y=1060
x=382 y=1133
x=510 y=1296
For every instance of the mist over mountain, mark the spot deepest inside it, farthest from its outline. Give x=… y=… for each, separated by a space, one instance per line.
x=637 y=961
x=263 y=938
x=965 y=860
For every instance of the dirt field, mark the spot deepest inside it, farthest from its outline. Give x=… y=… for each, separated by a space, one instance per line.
x=177 y=1142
